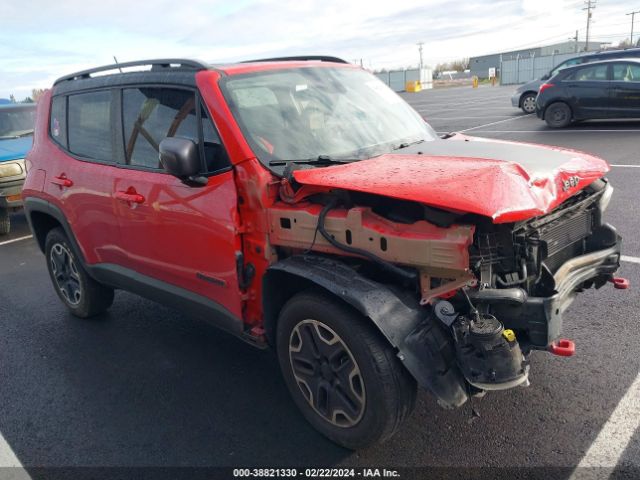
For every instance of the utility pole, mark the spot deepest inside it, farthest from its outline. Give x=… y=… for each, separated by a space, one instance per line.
x=420 y=44
x=575 y=39
x=633 y=14
x=590 y=5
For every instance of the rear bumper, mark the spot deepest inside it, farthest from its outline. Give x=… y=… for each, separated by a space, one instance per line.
x=540 y=318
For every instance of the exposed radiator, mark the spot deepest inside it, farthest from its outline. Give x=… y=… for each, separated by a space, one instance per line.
x=563 y=237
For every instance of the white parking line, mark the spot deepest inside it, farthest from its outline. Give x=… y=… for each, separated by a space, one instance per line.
x=492 y=123
x=624 y=166
x=614 y=437
x=627 y=258
x=478 y=108
x=562 y=131
x=14 y=240
x=8 y=459
x=428 y=118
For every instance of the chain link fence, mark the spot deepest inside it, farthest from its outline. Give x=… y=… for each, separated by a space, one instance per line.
x=525 y=69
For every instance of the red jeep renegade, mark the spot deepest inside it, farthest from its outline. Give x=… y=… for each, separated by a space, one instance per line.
x=299 y=203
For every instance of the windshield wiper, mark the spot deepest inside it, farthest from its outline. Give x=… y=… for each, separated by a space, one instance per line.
x=407 y=144
x=320 y=160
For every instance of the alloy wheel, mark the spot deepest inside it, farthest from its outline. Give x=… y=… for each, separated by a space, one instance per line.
x=327 y=373
x=65 y=274
x=529 y=104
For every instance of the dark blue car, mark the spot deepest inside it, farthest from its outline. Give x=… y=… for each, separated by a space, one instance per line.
x=597 y=90
x=16 y=137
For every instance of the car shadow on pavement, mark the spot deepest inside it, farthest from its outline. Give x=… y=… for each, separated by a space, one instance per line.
x=142 y=385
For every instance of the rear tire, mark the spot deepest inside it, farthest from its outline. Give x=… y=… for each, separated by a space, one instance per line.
x=81 y=294
x=528 y=103
x=342 y=374
x=5 y=221
x=558 y=115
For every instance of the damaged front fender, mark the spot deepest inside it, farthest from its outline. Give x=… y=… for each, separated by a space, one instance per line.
x=421 y=343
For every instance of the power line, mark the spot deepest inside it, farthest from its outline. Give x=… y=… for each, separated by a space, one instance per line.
x=590 y=5
x=633 y=14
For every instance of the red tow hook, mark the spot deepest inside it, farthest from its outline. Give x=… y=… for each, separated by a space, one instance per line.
x=620 y=283
x=562 y=347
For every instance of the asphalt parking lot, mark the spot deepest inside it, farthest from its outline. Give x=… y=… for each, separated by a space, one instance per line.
x=147 y=386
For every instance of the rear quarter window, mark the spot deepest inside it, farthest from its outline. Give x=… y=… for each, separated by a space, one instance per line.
x=58 y=120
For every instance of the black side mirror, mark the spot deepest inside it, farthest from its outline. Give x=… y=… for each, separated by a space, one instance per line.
x=546 y=76
x=180 y=157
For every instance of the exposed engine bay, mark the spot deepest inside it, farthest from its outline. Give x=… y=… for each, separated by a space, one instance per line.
x=489 y=293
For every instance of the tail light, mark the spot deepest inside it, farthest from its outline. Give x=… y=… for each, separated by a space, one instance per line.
x=544 y=86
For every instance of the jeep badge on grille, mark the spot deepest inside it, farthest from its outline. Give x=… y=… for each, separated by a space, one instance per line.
x=570 y=182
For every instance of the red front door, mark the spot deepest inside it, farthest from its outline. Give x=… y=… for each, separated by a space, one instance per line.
x=179 y=234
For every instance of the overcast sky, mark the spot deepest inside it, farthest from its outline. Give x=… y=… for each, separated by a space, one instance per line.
x=43 y=39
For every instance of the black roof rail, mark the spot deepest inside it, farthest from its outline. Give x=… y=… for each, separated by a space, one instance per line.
x=319 y=58
x=184 y=64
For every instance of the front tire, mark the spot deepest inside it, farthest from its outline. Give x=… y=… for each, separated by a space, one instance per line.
x=558 y=115
x=5 y=221
x=528 y=103
x=81 y=294
x=342 y=374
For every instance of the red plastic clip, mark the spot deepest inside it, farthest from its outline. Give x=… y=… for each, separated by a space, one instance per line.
x=563 y=348
x=620 y=283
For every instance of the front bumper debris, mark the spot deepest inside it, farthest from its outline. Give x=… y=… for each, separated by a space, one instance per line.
x=541 y=317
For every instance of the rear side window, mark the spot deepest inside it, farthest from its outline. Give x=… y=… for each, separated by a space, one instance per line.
x=589 y=74
x=626 y=72
x=150 y=115
x=58 y=120
x=89 y=129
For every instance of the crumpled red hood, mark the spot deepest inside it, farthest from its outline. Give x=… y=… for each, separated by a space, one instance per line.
x=506 y=181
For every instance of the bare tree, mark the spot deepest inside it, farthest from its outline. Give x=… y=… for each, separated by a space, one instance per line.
x=36 y=93
x=456 y=65
x=626 y=43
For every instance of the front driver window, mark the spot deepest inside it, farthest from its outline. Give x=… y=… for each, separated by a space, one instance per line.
x=626 y=72
x=150 y=115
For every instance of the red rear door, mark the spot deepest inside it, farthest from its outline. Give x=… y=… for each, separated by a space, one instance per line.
x=179 y=234
x=81 y=173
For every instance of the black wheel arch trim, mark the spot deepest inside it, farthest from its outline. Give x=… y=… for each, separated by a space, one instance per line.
x=34 y=204
x=422 y=346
